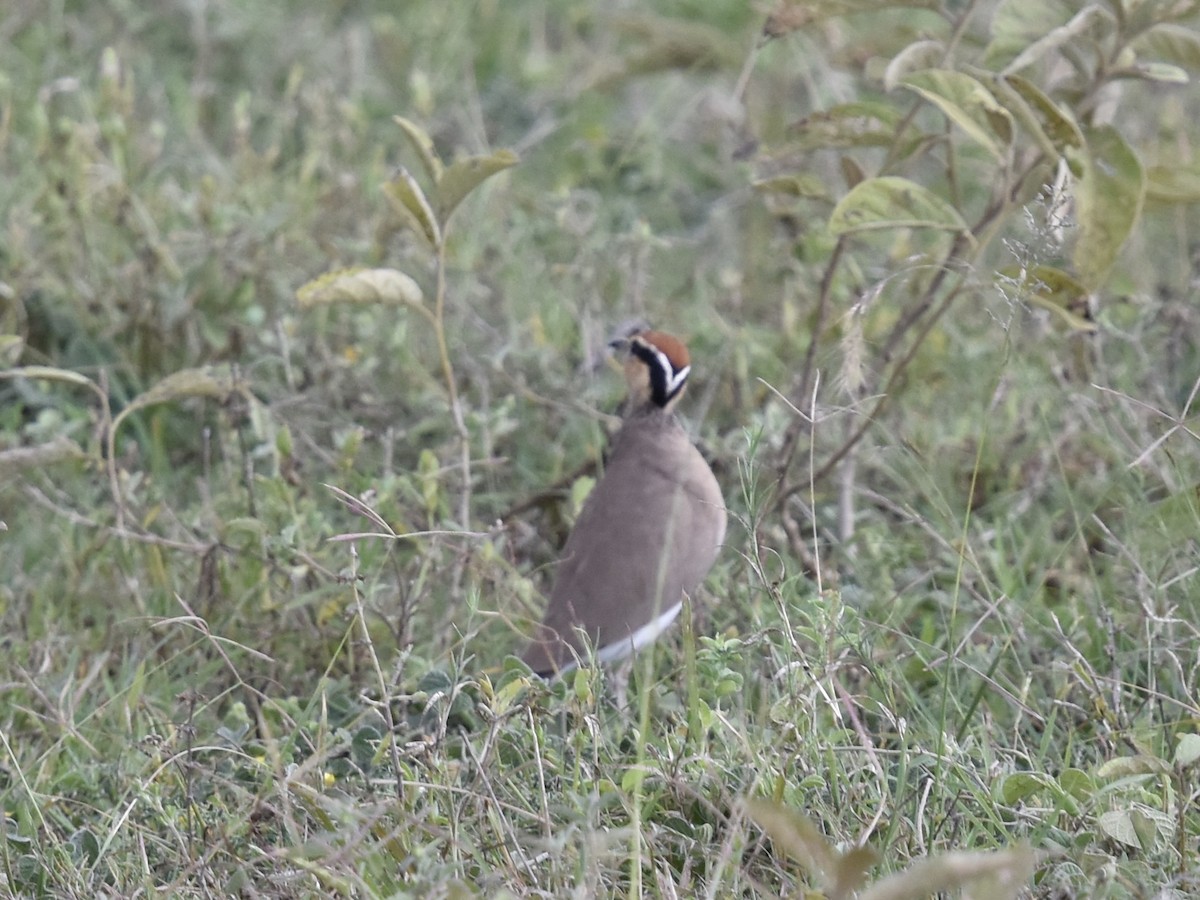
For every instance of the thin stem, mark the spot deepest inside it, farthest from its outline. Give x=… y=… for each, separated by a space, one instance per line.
x=791 y=439
x=385 y=696
x=460 y=425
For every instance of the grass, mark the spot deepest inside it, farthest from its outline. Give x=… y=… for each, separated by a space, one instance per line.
x=976 y=632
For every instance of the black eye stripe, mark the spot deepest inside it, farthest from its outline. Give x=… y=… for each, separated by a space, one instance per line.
x=665 y=380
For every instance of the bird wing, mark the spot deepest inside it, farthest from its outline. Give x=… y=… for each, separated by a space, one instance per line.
x=649 y=532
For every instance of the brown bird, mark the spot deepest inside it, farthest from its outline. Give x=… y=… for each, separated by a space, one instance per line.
x=648 y=533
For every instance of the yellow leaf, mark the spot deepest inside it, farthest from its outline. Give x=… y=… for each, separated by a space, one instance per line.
x=409 y=201
x=355 y=285
x=467 y=174
x=423 y=144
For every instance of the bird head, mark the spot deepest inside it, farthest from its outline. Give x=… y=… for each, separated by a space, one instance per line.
x=656 y=368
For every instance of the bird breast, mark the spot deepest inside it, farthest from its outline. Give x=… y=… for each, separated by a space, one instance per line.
x=652 y=527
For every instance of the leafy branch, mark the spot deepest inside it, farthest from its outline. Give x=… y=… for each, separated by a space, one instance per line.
x=1010 y=114
x=427 y=213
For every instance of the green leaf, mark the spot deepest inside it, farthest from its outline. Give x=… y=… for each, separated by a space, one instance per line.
x=435 y=681
x=364 y=744
x=409 y=201
x=354 y=285
x=1016 y=24
x=1020 y=786
x=917 y=56
x=1056 y=37
x=216 y=381
x=423 y=144
x=1127 y=766
x=1177 y=44
x=1118 y=825
x=85 y=846
x=967 y=103
x=1163 y=73
x=581 y=489
x=1077 y=783
x=465 y=175
x=50 y=373
x=1174 y=184
x=429 y=472
x=1187 y=751
x=632 y=779
x=1053 y=127
x=857 y=124
x=1053 y=289
x=1108 y=203
x=1148 y=827
x=892 y=202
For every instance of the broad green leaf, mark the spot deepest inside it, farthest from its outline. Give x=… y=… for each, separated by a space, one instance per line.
x=205 y=381
x=1149 y=825
x=1041 y=116
x=1053 y=289
x=506 y=697
x=1118 y=825
x=1108 y=203
x=387 y=286
x=1177 y=44
x=633 y=777
x=409 y=201
x=422 y=143
x=968 y=104
x=217 y=381
x=892 y=202
x=857 y=124
x=1077 y=783
x=85 y=846
x=1015 y=24
x=1126 y=766
x=917 y=56
x=1187 y=751
x=1020 y=786
x=465 y=175
x=1174 y=184
x=1056 y=37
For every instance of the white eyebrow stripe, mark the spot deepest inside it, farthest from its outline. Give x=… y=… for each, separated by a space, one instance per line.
x=675 y=381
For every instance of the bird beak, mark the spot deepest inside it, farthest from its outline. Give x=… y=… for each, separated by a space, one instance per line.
x=619 y=352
